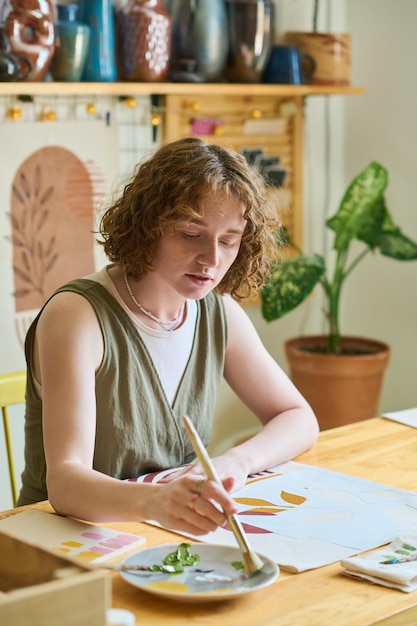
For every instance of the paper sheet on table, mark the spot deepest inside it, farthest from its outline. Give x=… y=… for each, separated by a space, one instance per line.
x=305 y=517
x=406 y=416
x=79 y=540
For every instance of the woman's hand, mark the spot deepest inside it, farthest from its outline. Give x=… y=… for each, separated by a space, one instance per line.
x=191 y=503
x=229 y=466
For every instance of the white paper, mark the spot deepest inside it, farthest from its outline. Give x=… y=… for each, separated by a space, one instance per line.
x=304 y=516
x=407 y=417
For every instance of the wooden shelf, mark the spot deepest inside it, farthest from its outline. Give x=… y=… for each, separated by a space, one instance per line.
x=201 y=89
x=232 y=103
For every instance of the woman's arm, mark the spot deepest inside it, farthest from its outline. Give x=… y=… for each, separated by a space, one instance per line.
x=289 y=424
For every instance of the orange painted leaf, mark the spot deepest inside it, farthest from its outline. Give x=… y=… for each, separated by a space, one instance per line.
x=293 y=498
x=254 y=502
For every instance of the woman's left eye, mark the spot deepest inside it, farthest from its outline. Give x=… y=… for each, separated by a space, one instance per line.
x=228 y=244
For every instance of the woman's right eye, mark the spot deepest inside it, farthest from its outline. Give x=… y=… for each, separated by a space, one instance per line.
x=189 y=235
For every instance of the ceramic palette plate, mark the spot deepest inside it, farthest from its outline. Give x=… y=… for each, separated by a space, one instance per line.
x=213 y=577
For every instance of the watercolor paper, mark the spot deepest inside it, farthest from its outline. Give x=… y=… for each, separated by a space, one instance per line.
x=79 y=540
x=305 y=516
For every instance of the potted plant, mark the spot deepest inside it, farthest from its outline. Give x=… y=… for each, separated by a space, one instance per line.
x=362 y=217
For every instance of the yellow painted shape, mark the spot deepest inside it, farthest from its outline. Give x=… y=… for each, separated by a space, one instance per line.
x=169 y=585
x=293 y=498
x=268 y=509
x=254 y=502
x=72 y=544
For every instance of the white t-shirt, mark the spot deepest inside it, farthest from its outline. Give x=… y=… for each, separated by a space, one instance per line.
x=170 y=351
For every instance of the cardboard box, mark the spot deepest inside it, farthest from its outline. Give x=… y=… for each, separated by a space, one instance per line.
x=41 y=588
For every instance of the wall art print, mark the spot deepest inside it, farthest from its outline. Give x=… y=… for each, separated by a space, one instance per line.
x=52 y=180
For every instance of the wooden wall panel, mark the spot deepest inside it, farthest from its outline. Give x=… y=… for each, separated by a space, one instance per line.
x=274 y=124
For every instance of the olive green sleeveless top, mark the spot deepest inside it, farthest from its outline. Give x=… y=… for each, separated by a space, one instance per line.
x=137 y=429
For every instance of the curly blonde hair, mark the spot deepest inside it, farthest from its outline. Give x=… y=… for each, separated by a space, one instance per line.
x=167 y=191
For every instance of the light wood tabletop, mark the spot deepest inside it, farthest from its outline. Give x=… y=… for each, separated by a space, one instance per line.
x=378 y=449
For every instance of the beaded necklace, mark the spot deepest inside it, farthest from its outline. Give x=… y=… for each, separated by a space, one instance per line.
x=168 y=325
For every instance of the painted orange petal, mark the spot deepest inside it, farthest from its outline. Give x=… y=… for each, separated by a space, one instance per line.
x=271 y=510
x=293 y=498
x=254 y=502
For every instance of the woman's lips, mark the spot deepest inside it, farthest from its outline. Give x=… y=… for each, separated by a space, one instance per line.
x=199 y=279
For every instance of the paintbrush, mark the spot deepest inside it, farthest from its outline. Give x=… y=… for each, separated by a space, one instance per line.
x=252 y=562
x=394 y=560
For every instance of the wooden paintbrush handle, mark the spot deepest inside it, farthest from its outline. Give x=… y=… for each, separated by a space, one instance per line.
x=211 y=473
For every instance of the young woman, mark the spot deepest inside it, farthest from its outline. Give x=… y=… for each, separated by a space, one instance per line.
x=116 y=359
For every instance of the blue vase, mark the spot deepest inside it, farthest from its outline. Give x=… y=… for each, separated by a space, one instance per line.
x=101 y=58
x=71 y=44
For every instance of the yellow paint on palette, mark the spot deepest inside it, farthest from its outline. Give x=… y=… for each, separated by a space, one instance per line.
x=62 y=550
x=72 y=544
x=87 y=555
x=169 y=585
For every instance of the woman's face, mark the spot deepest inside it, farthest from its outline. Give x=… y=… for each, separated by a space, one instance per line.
x=194 y=258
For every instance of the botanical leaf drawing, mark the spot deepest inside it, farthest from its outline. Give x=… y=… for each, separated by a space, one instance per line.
x=36 y=255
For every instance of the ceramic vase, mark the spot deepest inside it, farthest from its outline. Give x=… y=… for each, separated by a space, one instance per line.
x=100 y=64
x=28 y=27
x=144 y=41
x=199 y=39
x=71 y=44
x=251 y=35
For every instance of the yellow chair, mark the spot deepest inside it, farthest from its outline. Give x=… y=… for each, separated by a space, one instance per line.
x=12 y=391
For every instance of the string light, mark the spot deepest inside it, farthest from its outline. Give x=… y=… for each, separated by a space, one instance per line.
x=155 y=119
x=130 y=102
x=14 y=113
x=283 y=109
x=49 y=115
x=91 y=108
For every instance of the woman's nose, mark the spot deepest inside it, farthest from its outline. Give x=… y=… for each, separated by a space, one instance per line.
x=209 y=254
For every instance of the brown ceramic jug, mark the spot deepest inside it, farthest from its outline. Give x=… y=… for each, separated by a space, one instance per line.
x=144 y=41
x=29 y=31
x=13 y=67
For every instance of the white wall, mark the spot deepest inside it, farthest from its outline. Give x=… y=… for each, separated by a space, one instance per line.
x=382 y=125
x=323 y=185
x=342 y=135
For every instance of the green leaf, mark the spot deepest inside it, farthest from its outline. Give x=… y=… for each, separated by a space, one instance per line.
x=397 y=246
x=361 y=209
x=370 y=224
x=290 y=283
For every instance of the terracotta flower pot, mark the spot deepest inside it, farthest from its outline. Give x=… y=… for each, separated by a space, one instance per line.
x=342 y=388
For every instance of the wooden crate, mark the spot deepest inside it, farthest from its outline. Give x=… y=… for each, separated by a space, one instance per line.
x=41 y=588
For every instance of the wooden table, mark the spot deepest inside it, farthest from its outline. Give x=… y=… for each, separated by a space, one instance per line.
x=377 y=449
